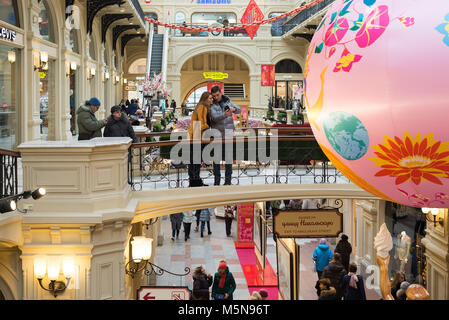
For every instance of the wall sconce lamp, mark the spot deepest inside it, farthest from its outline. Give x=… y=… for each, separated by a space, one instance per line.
x=11 y=56
x=141 y=254
x=8 y=204
x=434 y=213
x=125 y=81
x=117 y=79
x=52 y=271
x=41 y=61
x=106 y=75
x=92 y=72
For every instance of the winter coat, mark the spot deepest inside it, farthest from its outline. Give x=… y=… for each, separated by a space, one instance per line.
x=205 y=214
x=201 y=284
x=120 y=128
x=335 y=273
x=88 y=125
x=217 y=115
x=187 y=217
x=350 y=293
x=322 y=256
x=229 y=285
x=199 y=115
x=132 y=108
x=176 y=220
x=344 y=248
x=330 y=294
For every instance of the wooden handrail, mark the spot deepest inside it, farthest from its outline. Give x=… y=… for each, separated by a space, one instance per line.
x=12 y=153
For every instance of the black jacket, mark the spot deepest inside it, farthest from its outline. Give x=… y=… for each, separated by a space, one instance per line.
x=201 y=284
x=120 y=128
x=335 y=273
x=344 y=248
x=329 y=294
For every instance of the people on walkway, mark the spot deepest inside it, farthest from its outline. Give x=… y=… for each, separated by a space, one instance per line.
x=321 y=257
x=229 y=217
x=310 y=204
x=335 y=273
x=173 y=105
x=205 y=219
x=187 y=220
x=197 y=215
x=88 y=125
x=176 y=221
x=133 y=107
x=327 y=291
x=224 y=283
x=201 y=284
x=118 y=125
x=222 y=120
x=344 y=248
x=200 y=123
x=352 y=285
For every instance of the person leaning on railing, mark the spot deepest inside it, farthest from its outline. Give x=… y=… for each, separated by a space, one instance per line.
x=199 y=124
x=88 y=125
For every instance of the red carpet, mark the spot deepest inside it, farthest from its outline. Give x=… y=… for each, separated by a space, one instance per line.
x=254 y=279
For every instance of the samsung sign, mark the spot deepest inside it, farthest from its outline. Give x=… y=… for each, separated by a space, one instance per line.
x=7 y=34
x=213 y=1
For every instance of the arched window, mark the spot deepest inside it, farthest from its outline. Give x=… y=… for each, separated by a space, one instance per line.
x=288 y=66
x=9 y=12
x=46 y=26
x=74 y=44
x=138 y=67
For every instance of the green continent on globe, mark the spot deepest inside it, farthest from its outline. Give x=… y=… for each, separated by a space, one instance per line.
x=347 y=135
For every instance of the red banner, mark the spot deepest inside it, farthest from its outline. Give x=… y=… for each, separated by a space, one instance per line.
x=268 y=75
x=245 y=223
x=210 y=85
x=252 y=14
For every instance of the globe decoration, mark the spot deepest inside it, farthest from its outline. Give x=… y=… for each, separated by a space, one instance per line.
x=377 y=96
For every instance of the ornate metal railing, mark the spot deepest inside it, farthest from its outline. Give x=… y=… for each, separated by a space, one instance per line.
x=304 y=16
x=8 y=173
x=299 y=160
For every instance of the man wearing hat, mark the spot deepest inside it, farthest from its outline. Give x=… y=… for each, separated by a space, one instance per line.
x=344 y=248
x=88 y=125
x=118 y=125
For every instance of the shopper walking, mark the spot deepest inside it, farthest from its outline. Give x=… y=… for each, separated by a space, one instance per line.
x=221 y=115
x=176 y=221
x=229 y=217
x=352 y=285
x=327 y=292
x=321 y=257
x=88 y=125
x=200 y=122
x=197 y=215
x=118 y=125
x=335 y=273
x=201 y=284
x=205 y=219
x=344 y=248
x=224 y=283
x=173 y=105
x=187 y=220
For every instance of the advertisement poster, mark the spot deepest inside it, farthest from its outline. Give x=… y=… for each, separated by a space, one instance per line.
x=245 y=216
x=268 y=75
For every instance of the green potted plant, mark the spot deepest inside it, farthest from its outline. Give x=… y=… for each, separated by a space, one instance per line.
x=270 y=114
x=297 y=118
x=157 y=127
x=282 y=116
x=164 y=122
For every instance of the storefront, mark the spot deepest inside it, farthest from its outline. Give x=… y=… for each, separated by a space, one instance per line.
x=11 y=42
x=407 y=226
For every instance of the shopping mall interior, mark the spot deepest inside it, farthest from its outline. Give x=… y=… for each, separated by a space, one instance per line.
x=327 y=158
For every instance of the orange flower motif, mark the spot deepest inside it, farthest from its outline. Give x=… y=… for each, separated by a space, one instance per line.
x=416 y=160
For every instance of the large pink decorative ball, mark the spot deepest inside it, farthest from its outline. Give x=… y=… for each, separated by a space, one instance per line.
x=377 y=96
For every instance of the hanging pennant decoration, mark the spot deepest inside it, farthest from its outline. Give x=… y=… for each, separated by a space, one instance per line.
x=268 y=75
x=251 y=15
x=378 y=124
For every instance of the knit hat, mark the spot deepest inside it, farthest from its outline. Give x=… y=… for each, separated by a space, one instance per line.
x=222 y=265
x=94 y=102
x=116 y=108
x=322 y=241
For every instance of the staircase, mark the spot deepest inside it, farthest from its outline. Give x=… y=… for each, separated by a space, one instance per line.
x=156 y=54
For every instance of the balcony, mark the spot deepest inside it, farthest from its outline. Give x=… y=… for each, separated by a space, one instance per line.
x=240 y=32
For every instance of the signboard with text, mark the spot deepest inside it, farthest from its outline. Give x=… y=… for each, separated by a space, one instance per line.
x=319 y=223
x=268 y=75
x=245 y=223
x=163 y=293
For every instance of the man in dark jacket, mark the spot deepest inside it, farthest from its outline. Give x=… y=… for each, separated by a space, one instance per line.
x=132 y=108
x=335 y=273
x=344 y=248
x=88 y=125
x=119 y=125
x=221 y=119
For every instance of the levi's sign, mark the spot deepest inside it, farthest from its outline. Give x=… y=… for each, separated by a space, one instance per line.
x=7 y=34
x=308 y=223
